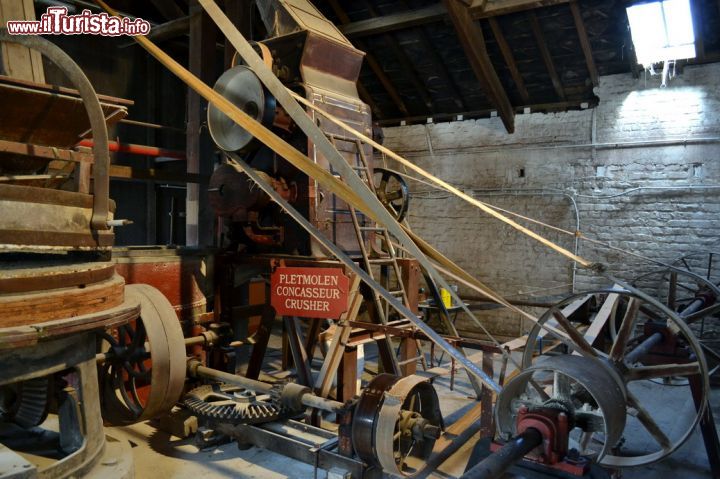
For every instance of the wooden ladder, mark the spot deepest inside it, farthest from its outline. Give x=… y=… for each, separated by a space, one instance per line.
x=381 y=254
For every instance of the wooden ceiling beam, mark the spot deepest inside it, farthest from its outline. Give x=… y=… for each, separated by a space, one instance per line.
x=584 y=42
x=372 y=62
x=509 y=59
x=535 y=108
x=396 y=21
x=440 y=67
x=545 y=54
x=472 y=40
x=494 y=8
x=436 y=13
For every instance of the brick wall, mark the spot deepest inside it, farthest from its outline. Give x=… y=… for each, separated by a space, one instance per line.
x=549 y=163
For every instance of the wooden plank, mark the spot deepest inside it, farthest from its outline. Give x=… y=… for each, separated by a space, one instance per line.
x=323 y=382
x=19 y=61
x=584 y=42
x=39 y=151
x=374 y=65
x=129 y=173
x=437 y=13
x=545 y=54
x=601 y=318
x=240 y=14
x=30 y=308
x=397 y=21
x=201 y=62
x=520 y=342
x=471 y=37
x=509 y=59
x=496 y=8
x=535 y=107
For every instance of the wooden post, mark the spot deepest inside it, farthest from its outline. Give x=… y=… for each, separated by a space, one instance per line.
x=348 y=374
x=198 y=217
x=238 y=11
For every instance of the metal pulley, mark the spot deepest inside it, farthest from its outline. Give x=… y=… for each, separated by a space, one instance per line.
x=396 y=423
x=242 y=88
x=142 y=373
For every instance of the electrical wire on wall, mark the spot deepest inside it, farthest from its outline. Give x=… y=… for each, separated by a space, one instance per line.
x=437 y=192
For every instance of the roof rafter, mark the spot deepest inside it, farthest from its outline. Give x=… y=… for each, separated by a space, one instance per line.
x=509 y=59
x=584 y=42
x=545 y=54
x=473 y=42
x=372 y=62
x=405 y=63
x=437 y=13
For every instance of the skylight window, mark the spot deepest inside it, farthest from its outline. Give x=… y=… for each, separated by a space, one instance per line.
x=662 y=31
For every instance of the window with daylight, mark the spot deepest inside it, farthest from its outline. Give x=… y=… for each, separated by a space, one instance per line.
x=662 y=31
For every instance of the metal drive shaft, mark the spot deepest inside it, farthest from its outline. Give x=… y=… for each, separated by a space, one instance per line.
x=497 y=463
x=197 y=370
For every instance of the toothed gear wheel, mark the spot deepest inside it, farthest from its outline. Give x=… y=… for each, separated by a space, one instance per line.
x=227 y=403
x=25 y=403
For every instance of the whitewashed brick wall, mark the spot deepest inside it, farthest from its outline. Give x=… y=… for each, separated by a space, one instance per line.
x=554 y=152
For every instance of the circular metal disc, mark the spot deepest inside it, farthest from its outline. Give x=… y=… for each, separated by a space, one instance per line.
x=242 y=87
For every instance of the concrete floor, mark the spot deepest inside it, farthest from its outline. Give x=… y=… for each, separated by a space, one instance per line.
x=158 y=455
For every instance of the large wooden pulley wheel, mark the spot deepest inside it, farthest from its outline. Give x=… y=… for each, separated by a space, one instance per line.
x=143 y=372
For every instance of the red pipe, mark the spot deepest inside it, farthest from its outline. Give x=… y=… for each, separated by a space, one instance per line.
x=143 y=150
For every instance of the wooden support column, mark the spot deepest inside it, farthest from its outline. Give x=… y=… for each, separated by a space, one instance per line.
x=545 y=53
x=584 y=42
x=199 y=219
x=151 y=106
x=348 y=374
x=239 y=12
x=473 y=42
x=509 y=59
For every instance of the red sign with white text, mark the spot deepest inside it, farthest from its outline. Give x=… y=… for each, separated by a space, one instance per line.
x=309 y=292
